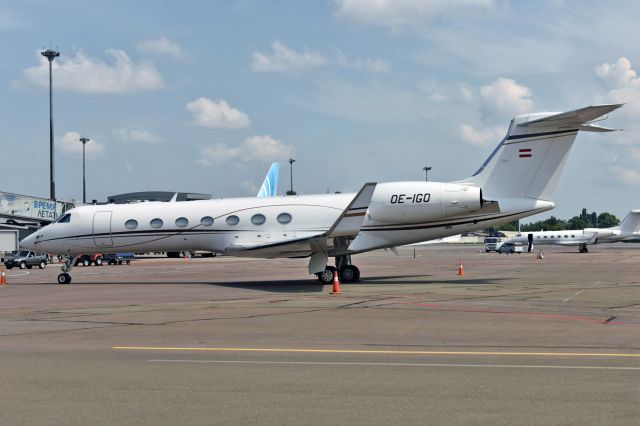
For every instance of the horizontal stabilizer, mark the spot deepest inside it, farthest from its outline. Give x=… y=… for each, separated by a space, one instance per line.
x=576 y=119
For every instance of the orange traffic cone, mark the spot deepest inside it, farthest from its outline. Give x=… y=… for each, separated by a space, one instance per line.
x=3 y=279
x=461 y=269
x=336 y=284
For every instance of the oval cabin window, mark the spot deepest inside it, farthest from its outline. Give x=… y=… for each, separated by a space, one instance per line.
x=258 y=219
x=284 y=218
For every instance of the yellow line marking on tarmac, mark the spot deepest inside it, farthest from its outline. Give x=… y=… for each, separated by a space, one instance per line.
x=377 y=352
x=395 y=364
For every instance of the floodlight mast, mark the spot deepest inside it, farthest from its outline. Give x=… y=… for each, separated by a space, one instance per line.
x=51 y=55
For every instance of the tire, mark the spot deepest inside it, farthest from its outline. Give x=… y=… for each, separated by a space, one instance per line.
x=8 y=267
x=119 y=262
x=42 y=264
x=349 y=274
x=86 y=262
x=128 y=262
x=64 y=278
x=326 y=276
x=23 y=265
x=98 y=261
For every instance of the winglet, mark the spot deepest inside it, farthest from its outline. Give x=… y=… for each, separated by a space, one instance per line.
x=351 y=218
x=270 y=185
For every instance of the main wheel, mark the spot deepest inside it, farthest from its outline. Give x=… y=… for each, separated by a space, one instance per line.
x=326 y=276
x=349 y=274
x=42 y=264
x=98 y=261
x=23 y=265
x=86 y=262
x=64 y=278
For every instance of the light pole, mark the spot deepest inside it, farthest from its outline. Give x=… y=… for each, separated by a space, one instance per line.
x=291 y=191
x=426 y=173
x=51 y=55
x=84 y=182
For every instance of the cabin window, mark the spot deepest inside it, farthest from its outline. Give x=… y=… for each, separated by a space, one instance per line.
x=156 y=223
x=206 y=221
x=65 y=219
x=545 y=236
x=131 y=224
x=573 y=236
x=182 y=222
x=258 y=219
x=233 y=220
x=284 y=218
x=566 y=236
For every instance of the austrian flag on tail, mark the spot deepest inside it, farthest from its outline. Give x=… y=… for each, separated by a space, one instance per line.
x=525 y=152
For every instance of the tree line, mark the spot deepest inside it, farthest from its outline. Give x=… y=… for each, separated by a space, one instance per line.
x=581 y=221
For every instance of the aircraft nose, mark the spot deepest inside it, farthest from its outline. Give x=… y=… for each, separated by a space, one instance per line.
x=29 y=242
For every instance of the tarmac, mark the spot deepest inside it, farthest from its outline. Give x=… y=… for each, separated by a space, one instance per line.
x=516 y=340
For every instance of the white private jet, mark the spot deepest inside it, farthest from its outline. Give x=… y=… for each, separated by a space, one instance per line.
x=629 y=229
x=517 y=180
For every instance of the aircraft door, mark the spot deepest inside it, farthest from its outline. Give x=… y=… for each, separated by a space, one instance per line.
x=530 y=241
x=102 y=229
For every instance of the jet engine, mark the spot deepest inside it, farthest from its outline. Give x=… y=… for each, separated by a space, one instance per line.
x=414 y=202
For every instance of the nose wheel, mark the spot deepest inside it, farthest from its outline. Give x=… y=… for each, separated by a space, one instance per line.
x=67 y=266
x=64 y=278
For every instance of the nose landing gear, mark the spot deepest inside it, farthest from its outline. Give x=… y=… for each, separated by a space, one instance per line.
x=69 y=263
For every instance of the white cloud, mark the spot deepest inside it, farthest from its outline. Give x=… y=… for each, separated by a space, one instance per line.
x=160 y=46
x=254 y=148
x=394 y=13
x=140 y=136
x=284 y=59
x=481 y=137
x=84 y=74
x=505 y=96
x=212 y=113
x=624 y=85
x=627 y=176
x=70 y=144
x=366 y=64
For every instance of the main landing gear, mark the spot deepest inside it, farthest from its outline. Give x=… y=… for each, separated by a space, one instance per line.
x=347 y=272
x=583 y=248
x=69 y=263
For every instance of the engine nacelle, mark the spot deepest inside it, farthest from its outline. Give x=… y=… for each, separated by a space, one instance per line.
x=413 y=202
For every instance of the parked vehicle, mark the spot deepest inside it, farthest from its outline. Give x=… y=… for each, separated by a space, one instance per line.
x=510 y=248
x=491 y=244
x=89 y=259
x=26 y=259
x=119 y=258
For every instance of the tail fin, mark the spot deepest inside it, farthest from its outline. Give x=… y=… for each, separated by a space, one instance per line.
x=529 y=160
x=270 y=185
x=631 y=223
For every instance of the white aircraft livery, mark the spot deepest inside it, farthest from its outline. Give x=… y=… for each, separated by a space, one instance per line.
x=629 y=229
x=517 y=180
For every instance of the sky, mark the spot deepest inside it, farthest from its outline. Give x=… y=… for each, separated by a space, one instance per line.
x=202 y=96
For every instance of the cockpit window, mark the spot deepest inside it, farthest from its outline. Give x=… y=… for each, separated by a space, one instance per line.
x=65 y=219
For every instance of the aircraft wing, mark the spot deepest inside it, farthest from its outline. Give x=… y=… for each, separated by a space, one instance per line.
x=580 y=119
x=347 y=224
